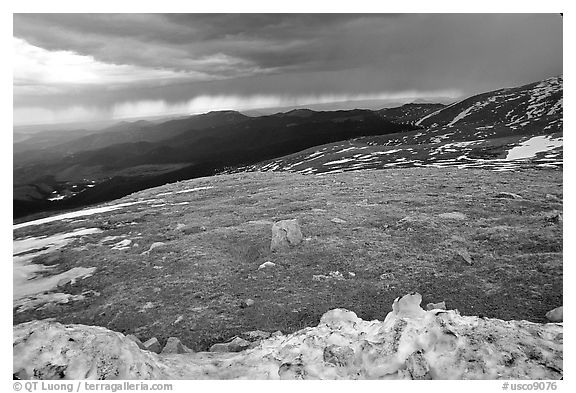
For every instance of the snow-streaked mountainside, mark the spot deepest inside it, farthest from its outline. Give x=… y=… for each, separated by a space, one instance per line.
x=501 y=130
x=529 y=108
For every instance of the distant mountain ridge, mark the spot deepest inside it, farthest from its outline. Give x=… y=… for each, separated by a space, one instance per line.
x=410 y=113
x=68 y=175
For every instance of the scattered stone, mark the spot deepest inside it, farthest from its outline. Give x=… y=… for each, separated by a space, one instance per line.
x=246 y=303
x=147 y=306
x=174 y=345
x=180 y=226
x=285 y=233
x=109 y=239
x=556 y=315
x=260 y=222
x=266 y=264
x=453 y=216
x=408 y=219
x=197 y=295
x=122 y=245
x=554 y=216
x=508 y=195
x=553 y=198
x=153 y=345
x=436 y=306
x=157 y=267
x=192 y=229
x=337 y=220
x=179 y=319
x=153 y=246
x=136 y=340
x=352 y=274
x=316 y=210
x=465 y=255
x=90 y=292
x=220 y=347
x=236 y=345
x=256 y=335
x=336 y=275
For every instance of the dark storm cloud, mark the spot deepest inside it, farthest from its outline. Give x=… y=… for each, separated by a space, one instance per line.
x=294 y=54
x=181 y=41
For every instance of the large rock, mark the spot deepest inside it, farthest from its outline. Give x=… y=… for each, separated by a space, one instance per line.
x=136 y=340
x=465 y=255
x=556 y=315
x=285 y=233
x=236 y=345
x=256 y=335
x=409 y=344
x=153 y=345
x=153 y=246
x=436 y=306
x=174 y=345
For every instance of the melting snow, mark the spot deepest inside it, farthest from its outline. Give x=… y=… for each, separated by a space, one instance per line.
x=25 y=274
x=194 y=189
x=79 y=213
x=387 y=151
x=462 y=115
x=315 y=154
x=347 y=149
x=409 y=344
x=532 y=146
x=342 y=161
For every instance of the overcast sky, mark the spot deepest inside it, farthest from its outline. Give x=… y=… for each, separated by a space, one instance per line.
x=72 y=67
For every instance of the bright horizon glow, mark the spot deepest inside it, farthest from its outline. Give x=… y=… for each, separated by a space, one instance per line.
x=37 y=70
x=207 y=103
x=40 y=71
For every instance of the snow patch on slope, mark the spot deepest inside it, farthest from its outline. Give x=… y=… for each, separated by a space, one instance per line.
x=30 y=278
x=79 y=213
x=532 y=146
